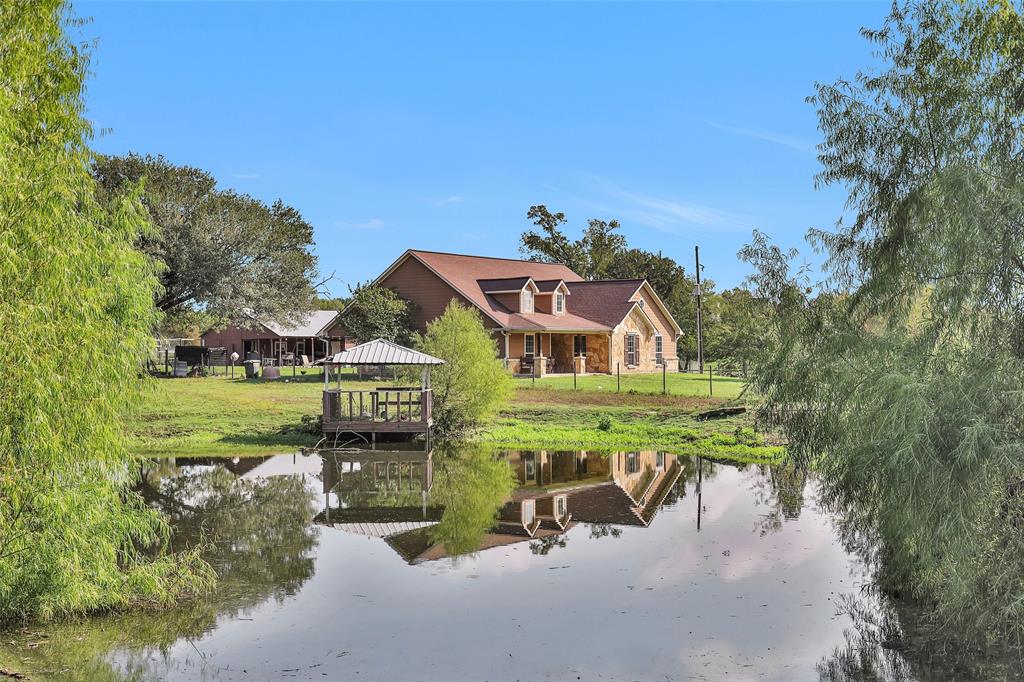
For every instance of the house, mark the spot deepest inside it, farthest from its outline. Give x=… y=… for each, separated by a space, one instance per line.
x=545 y=317
x=316 y=335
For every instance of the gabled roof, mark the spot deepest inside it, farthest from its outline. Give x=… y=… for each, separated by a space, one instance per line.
x=383 y=352
x=605 y=301
x=549 y=285
x=505 y=285
x=462 y=272
x=316 y=322
x=596 y=306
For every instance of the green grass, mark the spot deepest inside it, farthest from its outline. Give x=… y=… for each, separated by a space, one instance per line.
x=667 y=427
x=677 y=384
x=223 y=416
x=237 y=417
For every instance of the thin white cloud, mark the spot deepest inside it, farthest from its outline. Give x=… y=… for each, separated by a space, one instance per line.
x=453 y=199
x=371 y=224
x=668 y=214
x=791 y=141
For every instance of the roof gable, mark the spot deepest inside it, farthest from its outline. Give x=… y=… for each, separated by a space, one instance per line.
x=316 y=321
x=383 y=352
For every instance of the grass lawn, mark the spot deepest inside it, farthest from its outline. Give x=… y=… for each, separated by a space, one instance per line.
x=237 y=417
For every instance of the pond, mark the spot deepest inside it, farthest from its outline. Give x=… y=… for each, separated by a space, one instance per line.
x=492 y=566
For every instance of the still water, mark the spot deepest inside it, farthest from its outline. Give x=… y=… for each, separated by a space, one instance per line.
x=500 y=566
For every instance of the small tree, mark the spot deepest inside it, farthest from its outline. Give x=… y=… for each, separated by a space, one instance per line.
x=378 y=313
x=473 y=382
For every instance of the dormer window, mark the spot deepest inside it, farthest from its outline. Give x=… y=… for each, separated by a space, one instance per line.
x=526 y=301
x=559 y=303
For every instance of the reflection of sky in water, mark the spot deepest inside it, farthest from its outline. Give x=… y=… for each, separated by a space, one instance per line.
x=663 y=602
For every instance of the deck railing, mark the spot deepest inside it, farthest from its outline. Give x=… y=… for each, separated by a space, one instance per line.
x=388 y=406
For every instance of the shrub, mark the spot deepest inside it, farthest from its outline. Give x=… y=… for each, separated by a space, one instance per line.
x=473 y=382
x=604 y=423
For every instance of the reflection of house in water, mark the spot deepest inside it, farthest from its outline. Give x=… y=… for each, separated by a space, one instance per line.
x=624 y=488
x=386 y=494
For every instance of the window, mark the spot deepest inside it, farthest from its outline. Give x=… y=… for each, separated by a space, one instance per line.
x=526 y=301
x=632 y=462
x=659 y=353
x=579 y=345
x=528 y=348
x=561 y=508
x=632 y=354
x=559 y=303
x=529 y=512
x=659 y=461
x=641 y=303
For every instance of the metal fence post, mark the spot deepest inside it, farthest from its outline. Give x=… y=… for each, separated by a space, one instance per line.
x=711 y=385
x=618 y=377
x=574 y=374
x=664 y=377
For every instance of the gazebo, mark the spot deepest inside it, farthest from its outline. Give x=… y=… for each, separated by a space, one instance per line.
x=385 y=409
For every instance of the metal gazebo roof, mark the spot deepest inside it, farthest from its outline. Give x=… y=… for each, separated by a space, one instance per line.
x=383 y=352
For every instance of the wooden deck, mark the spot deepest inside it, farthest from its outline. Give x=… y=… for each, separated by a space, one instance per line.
x=384 y=410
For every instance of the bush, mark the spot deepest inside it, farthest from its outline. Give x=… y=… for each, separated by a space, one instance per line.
x=473 y=382
x=604 y=423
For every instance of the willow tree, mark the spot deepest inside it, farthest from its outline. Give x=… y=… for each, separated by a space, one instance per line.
x=901 y=375
x=75 y=312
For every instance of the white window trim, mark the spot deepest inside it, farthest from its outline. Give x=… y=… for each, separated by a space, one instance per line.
x=527 y=350
x=559 y=303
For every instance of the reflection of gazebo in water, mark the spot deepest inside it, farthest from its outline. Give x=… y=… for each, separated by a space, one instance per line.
x=385 y=409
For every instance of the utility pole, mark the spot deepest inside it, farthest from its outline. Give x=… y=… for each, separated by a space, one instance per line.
x=700 y=332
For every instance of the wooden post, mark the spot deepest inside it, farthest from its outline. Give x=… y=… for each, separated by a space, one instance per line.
x=700 y=329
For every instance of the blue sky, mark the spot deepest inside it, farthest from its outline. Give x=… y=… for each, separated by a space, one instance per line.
x=436 y=126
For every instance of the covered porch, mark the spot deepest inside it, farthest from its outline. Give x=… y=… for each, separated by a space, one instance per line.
x=544 y=353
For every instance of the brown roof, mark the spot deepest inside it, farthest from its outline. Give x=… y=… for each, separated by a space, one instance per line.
x=597 y=306
x=504 y=284
x=548 y=285
x=604 y=301
x=464 y=273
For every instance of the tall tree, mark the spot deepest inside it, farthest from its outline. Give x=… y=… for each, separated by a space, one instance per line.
x=900 y=376
x=76 y=301
x=590 y=256
x=226 y=255
x=378 y=313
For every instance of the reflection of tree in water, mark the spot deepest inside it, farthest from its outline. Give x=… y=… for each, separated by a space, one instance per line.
x=542 y=546
x=780 y=486
x=871 y=646
x=259 y=532
x=603 y=530
x=471 y=484
x=259 y=537
x=891 y=641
